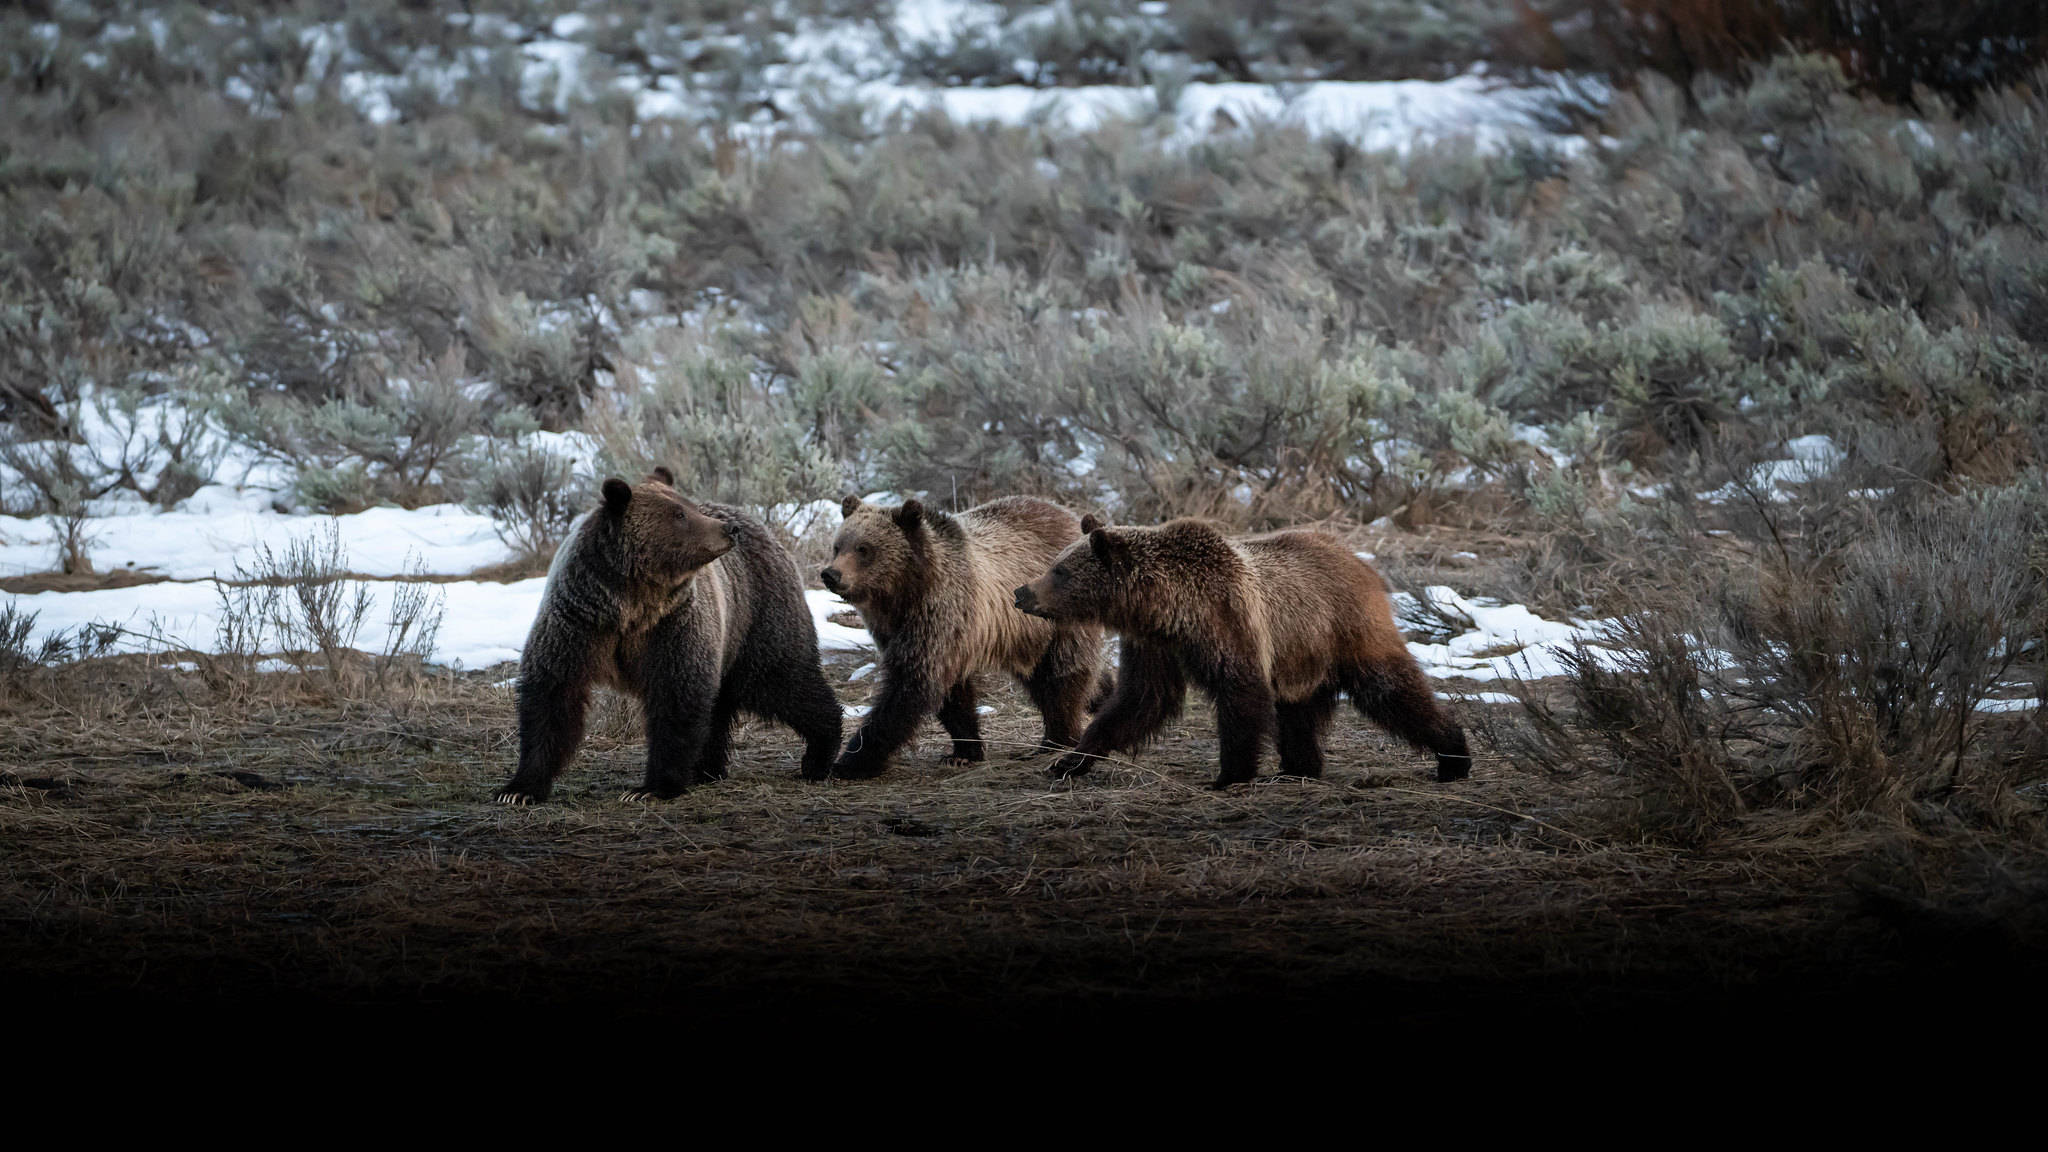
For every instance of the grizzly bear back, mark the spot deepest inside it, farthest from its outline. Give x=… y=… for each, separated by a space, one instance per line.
x=1295 y=604
x=1007 y=542
x=1318 y=604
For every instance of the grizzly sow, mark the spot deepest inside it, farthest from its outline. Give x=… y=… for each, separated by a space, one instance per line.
x=1273 y=627
x=934 y=589
x=691 y=607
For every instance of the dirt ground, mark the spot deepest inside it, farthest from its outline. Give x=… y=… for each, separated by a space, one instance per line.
x=160 y=844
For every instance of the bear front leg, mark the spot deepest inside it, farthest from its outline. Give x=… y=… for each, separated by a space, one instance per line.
x=1061 y=685
x=1244 y=713
x=552 y=711
x=679 y=728
x=962 y=721
x=906 y=701
x=1151 y=689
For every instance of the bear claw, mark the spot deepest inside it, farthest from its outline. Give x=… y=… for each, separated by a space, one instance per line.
x=1072 y=764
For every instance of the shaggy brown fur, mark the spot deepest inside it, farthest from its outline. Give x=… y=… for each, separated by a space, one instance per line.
x=1274 y=627
x=935 y=591
x=694 y=609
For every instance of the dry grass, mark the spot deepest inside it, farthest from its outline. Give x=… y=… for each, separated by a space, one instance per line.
x=163 y=844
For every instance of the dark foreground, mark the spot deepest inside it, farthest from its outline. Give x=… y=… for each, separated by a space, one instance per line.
x=165 y=853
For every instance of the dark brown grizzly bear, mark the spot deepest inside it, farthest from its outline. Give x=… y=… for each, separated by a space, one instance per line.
x=694 y=609
x=934 y=589
x=1273 y=627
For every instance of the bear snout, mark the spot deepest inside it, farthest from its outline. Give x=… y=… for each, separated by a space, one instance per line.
x=1027 y=601
x=831 y=578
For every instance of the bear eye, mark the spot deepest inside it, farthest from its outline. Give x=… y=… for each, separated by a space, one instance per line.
x=1059 y=575
x=864 y=551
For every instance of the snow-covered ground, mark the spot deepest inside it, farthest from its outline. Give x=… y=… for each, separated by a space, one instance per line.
x=1505 y=641
x=859 y=62
x=483 y=622
x=221 y=528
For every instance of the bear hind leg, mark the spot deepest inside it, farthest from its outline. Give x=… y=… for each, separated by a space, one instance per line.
x=714 y=760
x=1300 y=728
x=810 y=707
x=1398 y=698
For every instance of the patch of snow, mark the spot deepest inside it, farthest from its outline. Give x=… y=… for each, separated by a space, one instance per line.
x=1483 y=697
x=801 y=520
x=863 y=672
x=2007 y=705
x=483 y=623
x=835 y=637
x=1808 y=458
x=856 y=711
x=943 y=23
x=218 y=528
x=1518 y=642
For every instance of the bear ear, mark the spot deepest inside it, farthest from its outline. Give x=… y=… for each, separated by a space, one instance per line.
x=847 y=505
x=662 y=474
x=1091 y=522
x=910 y=515
x=617 y=494
x=1114 y=552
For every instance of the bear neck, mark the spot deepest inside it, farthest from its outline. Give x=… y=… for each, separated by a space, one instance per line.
x=644 y=603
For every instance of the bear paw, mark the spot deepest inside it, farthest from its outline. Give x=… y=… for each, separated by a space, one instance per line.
x=1072 y=764
x=849 y=769
x=643 y=795
x=1449 y=768
x=962 y=761
x=515 y=797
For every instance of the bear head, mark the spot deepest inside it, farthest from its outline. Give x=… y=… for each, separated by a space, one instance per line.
x=664 y=539
x=1086 y=582
x=879 y=553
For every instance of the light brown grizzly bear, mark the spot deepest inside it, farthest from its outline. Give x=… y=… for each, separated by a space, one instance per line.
x=691 y=607
x=934 y=589
x=1273 y=627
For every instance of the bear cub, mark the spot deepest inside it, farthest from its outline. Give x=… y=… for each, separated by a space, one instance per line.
x=692 y=608
x=934 y=589
x=1273 y=627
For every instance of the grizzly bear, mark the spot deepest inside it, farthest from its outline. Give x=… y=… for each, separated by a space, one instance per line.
x=694 y=609
x=1273 y=627
x=934 y=589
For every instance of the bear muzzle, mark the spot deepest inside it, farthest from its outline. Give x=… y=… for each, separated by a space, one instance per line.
x=833 y=581
x=1027 y=601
